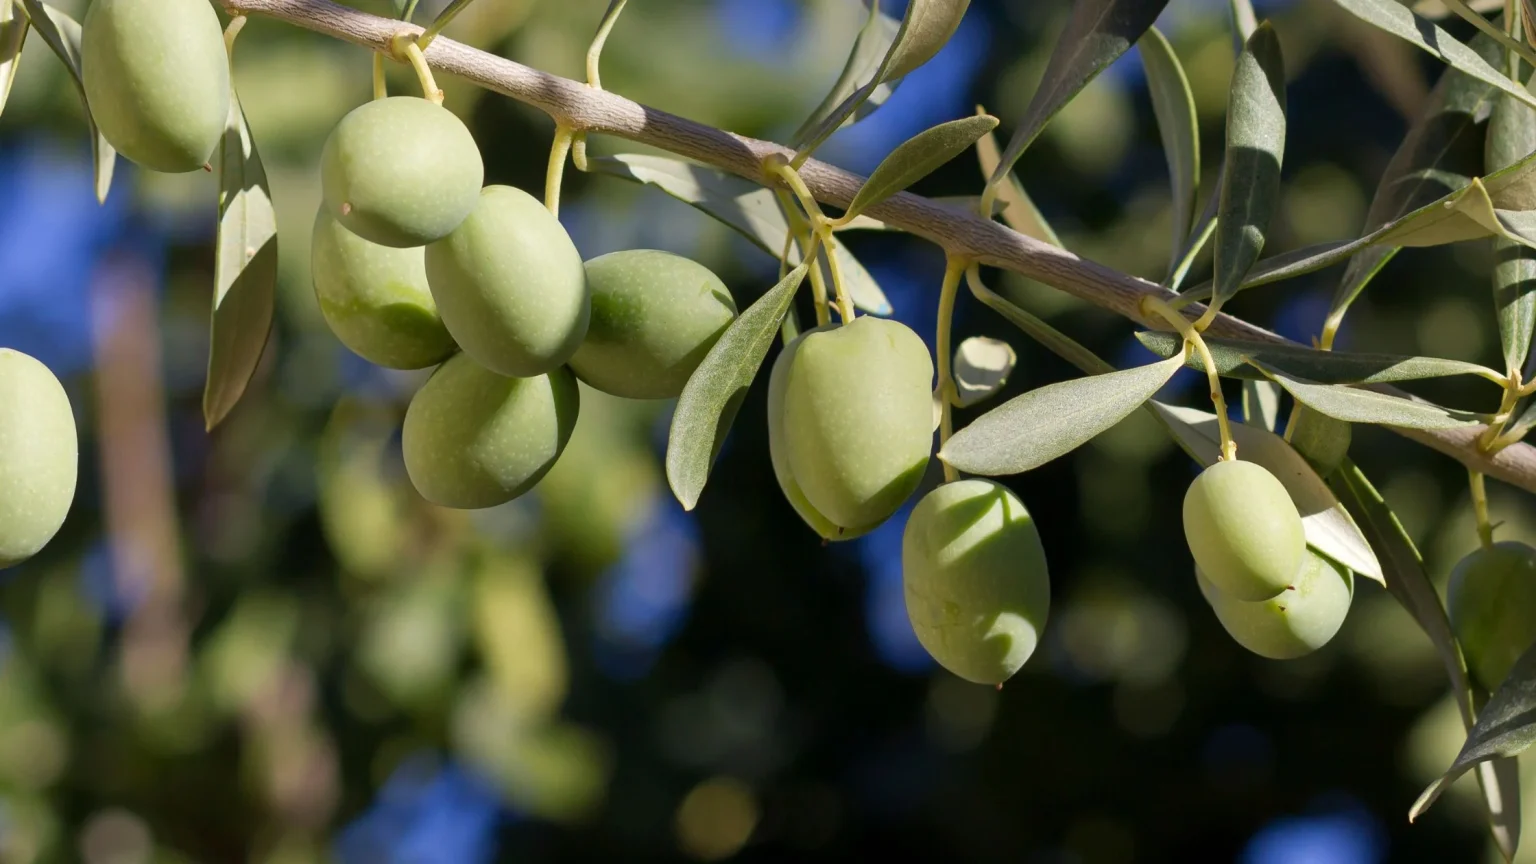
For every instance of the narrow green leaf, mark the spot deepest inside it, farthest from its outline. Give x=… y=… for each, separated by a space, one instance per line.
x=1098 y=32
x=1511 y=136
x=1174 y=104
x=245 y=271
x=710 y=400
x=1396 y=19
x=981 y=369
x=62 y=33
x=1250 y=185
x=1054 y=340
x=445 y=17
x=1506 y=727
x=1329 y=528
x=13 y=33
x=1322 y=367
x=925 y=28
x=1244 y=21
x=1522 y=425
x=1021 y=214
x=868 y=52
x=1287 y=265
x=1490 y=29
x=1323 y=440
x=1368 y=406
x=919 y=156
x=1030 y=430
x=1261 y=404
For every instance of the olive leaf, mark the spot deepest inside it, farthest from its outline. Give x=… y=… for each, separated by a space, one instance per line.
x=1261 y=404
x=919 y=156
x=1409 y=584
x=868 y=52
x=62 y=33
x=1021 y=214
x=1329 y=528
x=1174 y=104
x=981 y=369
x=1511 y=136
x=740 y=205
x=245 y=270
x=1489 y=29
x=1396 y=19
x=1250 y=183
x=1367 y=406
x=714 y=393
x=1323 y=440
x=1030 y=430
x=1244 y=20
x=1232 y=357
x=13 y=33
x=1097 y=34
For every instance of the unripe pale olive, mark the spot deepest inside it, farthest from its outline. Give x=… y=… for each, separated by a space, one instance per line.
x=475 y=439
x=401 y=171
x=39 y=456
x=778 y=450
x=974 y=573
x=156 y=76
x=1298 y=621
x=510 y=285
x=654 y=317
x=1491 y=598
x=1243 y=530
x=375 y=298
x=858 y=419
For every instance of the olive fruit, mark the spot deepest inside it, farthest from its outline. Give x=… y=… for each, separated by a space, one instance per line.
x=654 y=317
x=156 y=76
x=1491 y=599
x=975 y=579
x=510 y=285
x=476 y=439
x=375 y=298
x=1297 y=621
x=1243 y=530
x=858 y=419
x=401 y=171
x=39 y=456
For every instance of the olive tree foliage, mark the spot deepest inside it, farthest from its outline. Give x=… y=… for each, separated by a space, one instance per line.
x=417 y=266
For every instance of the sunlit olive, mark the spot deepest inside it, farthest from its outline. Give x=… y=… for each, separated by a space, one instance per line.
x=401 y=171
x=1298 y=621
x=858 y=419
x=39 y=456
x=975 y=577
x=654 y=317
x=1243 y=530
x=375 y=298
x=510 y=285
x=157 y=79
x=1491 y=598
x=476 y=439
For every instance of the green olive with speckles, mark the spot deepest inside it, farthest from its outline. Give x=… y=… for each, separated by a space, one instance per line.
x=401 y=172
x=39 y=456
x=858 y=419
x=476 y=439
x=156 y=76
x=975 y=578
x=1294 y=623
x=510 y=285
x=1491 y=600
x=375 y=298
x=1243 y=530
x=654 y=317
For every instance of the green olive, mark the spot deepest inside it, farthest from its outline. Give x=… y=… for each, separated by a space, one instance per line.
x=401 y=172
x=476 y=439
x=156 y=76
x=1298 y=621
x=1243 y=530
x=654 y=317
x=1491 y=598
x=375 y=298
x=39 y=456
x=510 y=285
x=977 y=586
x=858 y=419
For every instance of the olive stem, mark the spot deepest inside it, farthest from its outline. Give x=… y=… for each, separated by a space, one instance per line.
x=405 y=43
x=1191 y=335
x=595 y=51
x=844 y=301
x=954 y=268
x=556 y=173
x=232 y=32
x=1480 y=507
x=380 y=86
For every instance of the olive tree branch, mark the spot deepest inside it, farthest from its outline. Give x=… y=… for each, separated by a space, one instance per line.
x=585 y=109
